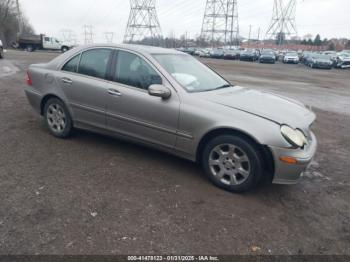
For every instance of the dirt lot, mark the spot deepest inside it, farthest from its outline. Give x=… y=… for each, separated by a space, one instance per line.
x=95 y=195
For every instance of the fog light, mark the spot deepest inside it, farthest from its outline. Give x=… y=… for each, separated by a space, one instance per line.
x=289 y=160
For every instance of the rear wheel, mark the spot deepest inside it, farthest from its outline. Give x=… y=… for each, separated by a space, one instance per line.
x=57 y=118
x=65 y=49
x=232 y=163
x=29 y=48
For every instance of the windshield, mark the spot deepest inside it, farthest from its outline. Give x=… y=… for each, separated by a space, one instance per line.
x=268 y=53
x=190 y=73
x=291 y=54
x=322 y=56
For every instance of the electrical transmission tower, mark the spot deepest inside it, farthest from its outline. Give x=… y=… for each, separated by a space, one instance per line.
x=283 y=20
x=88 y=34
x=220 y=22
x=143 y=21
x=69 y=36
x=109 y=37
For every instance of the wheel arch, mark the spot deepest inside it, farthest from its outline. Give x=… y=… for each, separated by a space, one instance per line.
x=44 y=101
x=264 y=150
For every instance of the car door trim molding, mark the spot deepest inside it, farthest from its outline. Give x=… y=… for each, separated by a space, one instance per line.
x=149 y=125
x=88 y=108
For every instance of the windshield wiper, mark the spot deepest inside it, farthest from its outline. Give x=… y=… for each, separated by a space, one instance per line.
x=222 y=87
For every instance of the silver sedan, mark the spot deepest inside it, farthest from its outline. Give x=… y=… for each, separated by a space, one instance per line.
x=168 y=100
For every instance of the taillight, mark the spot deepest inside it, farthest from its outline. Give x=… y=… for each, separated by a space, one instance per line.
x=28 y=79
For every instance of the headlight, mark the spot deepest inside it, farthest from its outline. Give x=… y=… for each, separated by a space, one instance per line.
x=295 y=137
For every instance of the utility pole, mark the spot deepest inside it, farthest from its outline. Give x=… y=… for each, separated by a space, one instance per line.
x=143 y=22
x=283 y=21
x=250 y=31
x=88 y=34
x=259 y=37
x=20 y=17
x=220 y=22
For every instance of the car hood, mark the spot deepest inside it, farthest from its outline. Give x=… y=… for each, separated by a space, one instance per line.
x=344 y=58
x=278 y=109
x=291 y=57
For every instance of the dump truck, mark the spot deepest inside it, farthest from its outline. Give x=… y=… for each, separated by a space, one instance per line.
x=31 y=43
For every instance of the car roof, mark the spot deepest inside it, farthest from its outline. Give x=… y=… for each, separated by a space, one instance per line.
x=132 y=47
x=141 y=49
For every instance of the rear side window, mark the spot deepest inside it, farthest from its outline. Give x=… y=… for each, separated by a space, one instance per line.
x=72 y=65
x=132 y=70
x=94 y=63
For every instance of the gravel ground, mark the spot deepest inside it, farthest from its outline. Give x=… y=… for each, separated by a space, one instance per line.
x=95 y=195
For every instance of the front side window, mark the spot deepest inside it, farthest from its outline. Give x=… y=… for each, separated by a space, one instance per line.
x=72 y=65
x=190 y=73
x=132 y=70
x=94 y=63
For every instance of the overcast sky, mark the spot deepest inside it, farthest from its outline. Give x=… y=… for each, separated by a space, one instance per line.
x=330 y=18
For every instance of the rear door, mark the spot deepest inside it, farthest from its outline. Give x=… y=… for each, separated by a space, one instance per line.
x=83 y=81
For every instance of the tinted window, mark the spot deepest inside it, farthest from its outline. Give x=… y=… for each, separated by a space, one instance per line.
x=94 y=62
x=72 y=65
x=132 y=70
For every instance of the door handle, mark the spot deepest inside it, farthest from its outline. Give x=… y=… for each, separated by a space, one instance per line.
x=66 y=80
x=114 y=92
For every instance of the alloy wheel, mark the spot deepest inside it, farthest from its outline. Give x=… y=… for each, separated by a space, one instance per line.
x=56 y=118
x=229 y=164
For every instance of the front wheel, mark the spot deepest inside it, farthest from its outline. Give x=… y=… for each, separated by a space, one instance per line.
x=232 y=163
x=64 y=49
x=57 y=118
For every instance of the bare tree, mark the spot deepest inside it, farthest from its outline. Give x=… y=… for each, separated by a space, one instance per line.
x=11 y=20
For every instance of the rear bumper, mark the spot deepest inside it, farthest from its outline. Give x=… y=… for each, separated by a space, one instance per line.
x=291 y=173
x=34 y=99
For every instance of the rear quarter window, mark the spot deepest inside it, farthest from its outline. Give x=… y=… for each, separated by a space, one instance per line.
x=72 y=65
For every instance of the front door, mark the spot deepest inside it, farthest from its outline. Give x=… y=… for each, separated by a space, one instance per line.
x=132 y=111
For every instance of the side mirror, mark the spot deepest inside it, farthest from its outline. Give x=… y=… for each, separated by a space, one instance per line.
x=159 y=91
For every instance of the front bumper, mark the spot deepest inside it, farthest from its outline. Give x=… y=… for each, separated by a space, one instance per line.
x=291 y=173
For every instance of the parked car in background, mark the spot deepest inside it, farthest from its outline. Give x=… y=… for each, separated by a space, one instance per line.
x=291 y=57
x=204 y=52
x=230 y=54
x=197 y=52
x=343 y=60
x=249 y=55
x=1 y=50
x=31 y=43
x=170 y=101
x=217 y=53
x=188 y=50
x=307 y=58
x=321 y=61
x=267 y=56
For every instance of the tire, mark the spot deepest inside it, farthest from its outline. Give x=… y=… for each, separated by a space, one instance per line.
x=1 y=54
x=222 y=169
x=29 y=49
x=57 y=118
x=64 y=49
